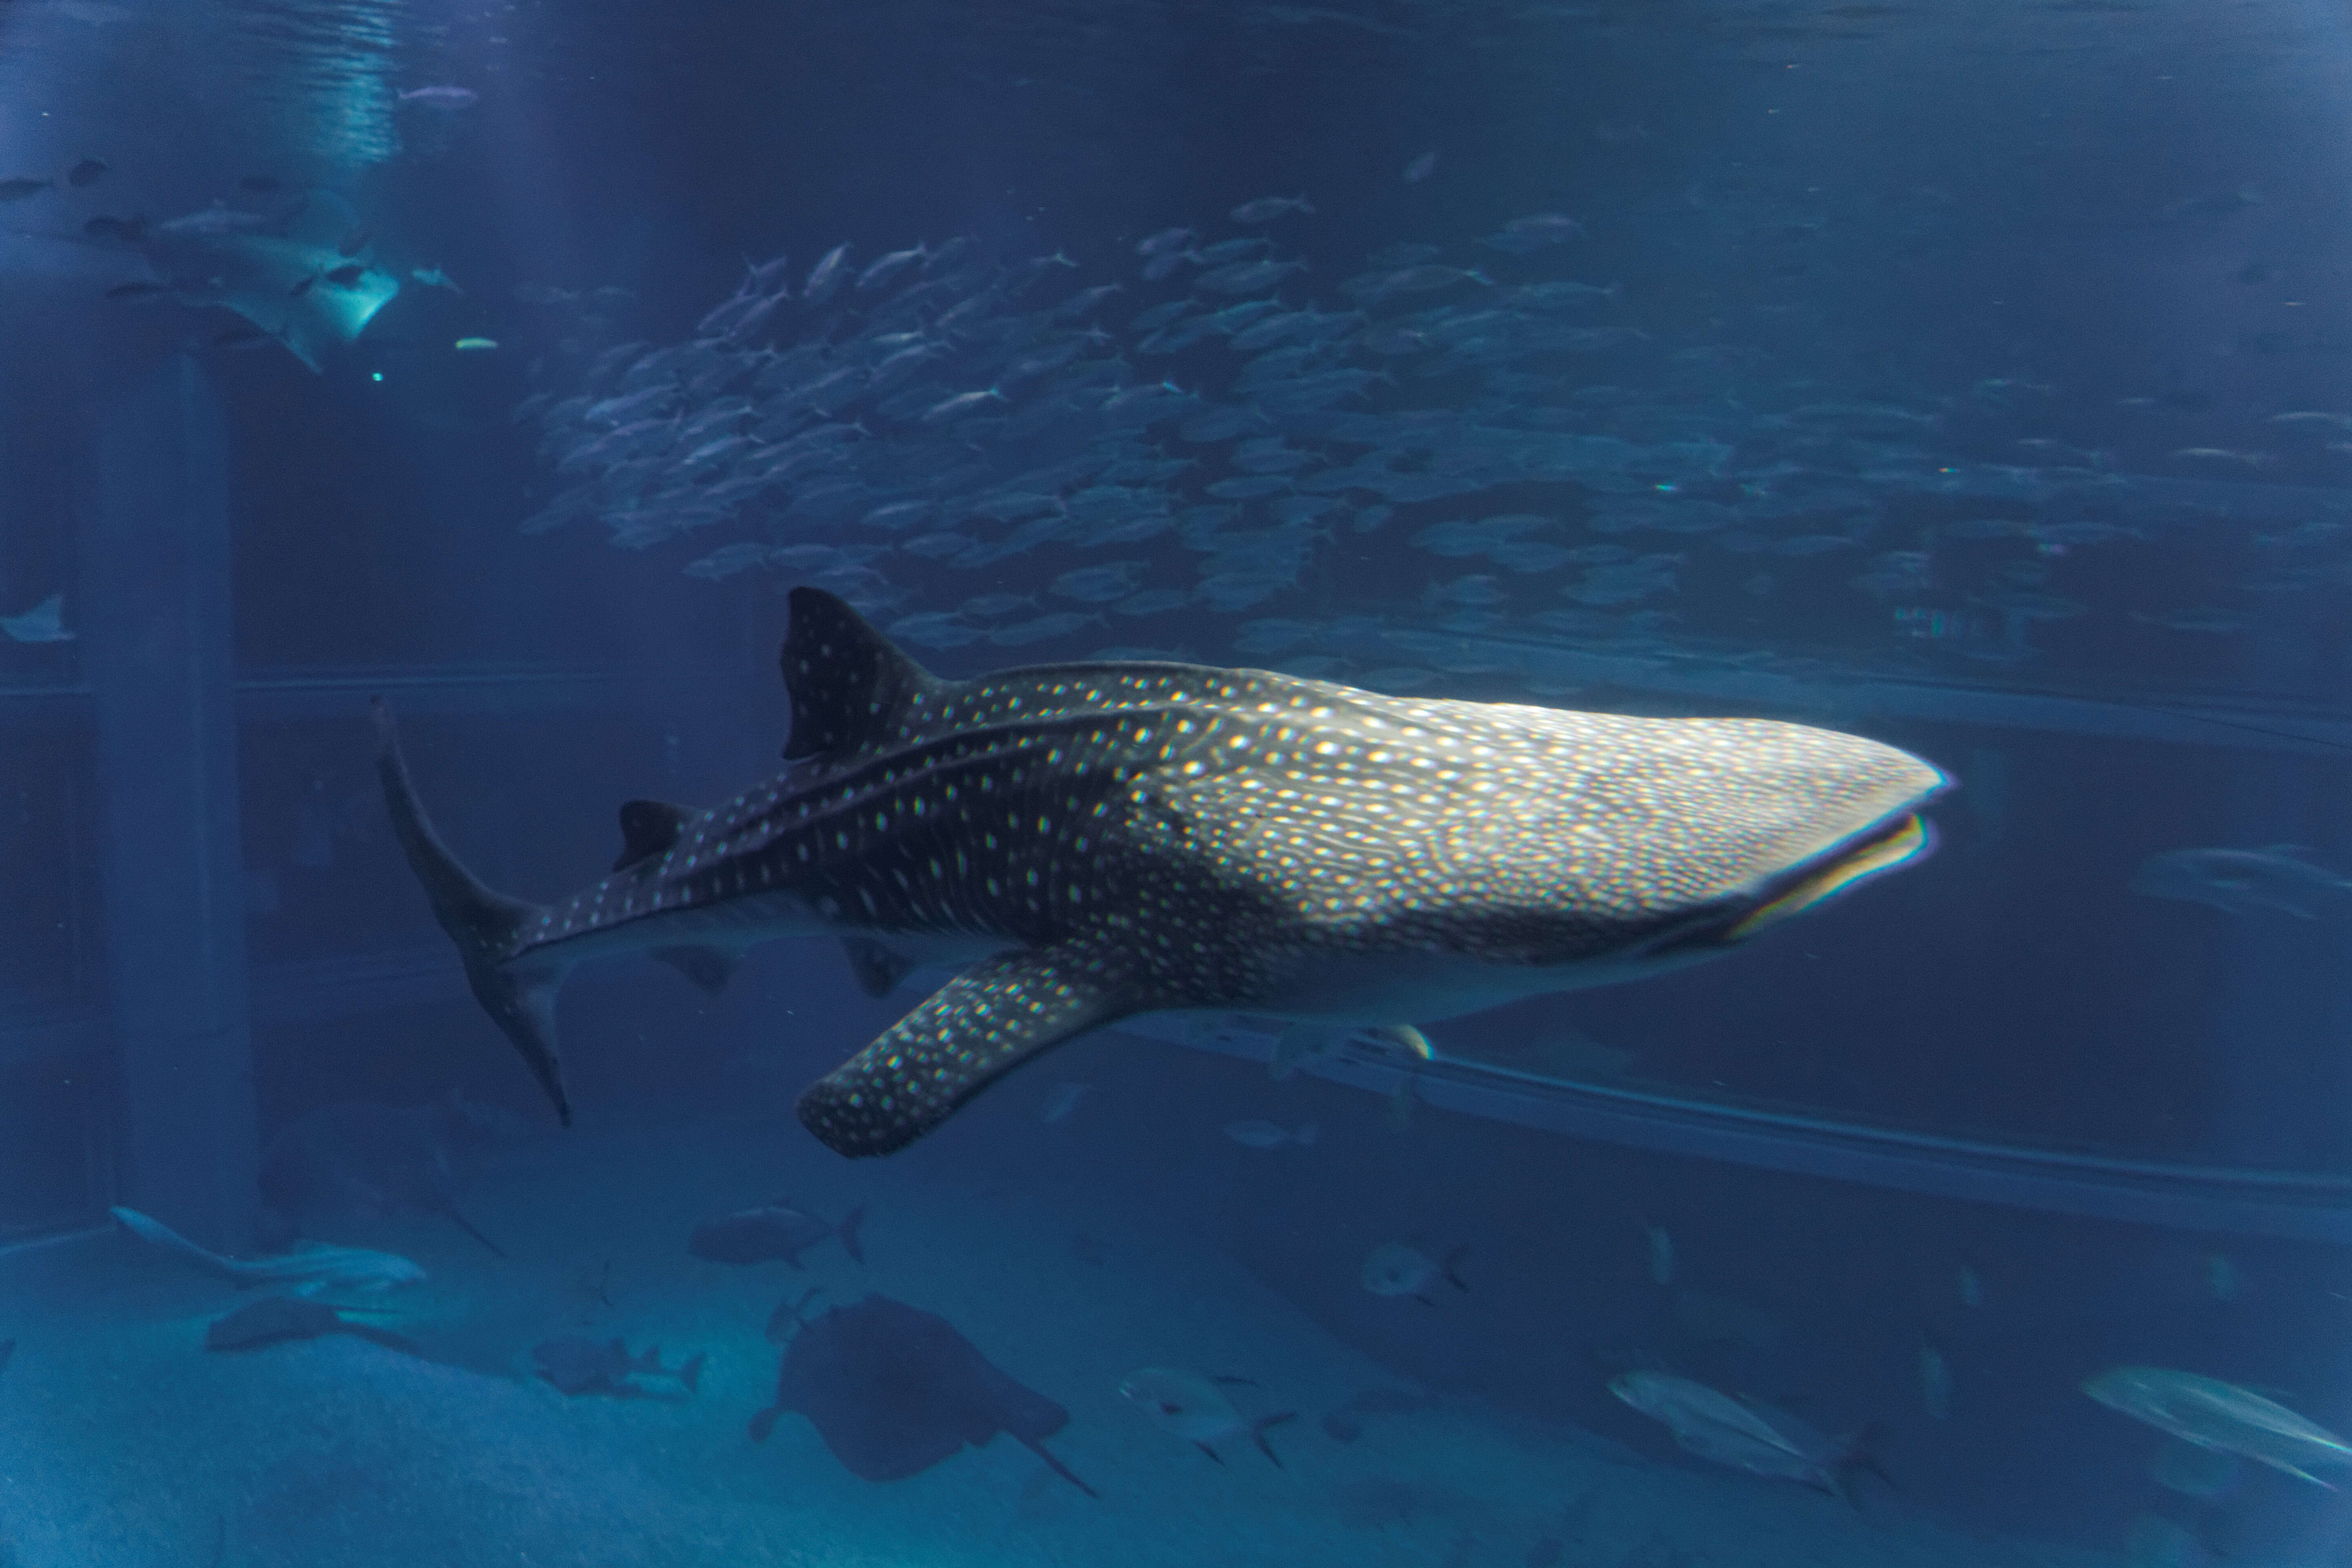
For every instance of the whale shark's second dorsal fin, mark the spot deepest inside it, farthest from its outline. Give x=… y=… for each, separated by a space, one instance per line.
x=648 y=828
x=849 y=685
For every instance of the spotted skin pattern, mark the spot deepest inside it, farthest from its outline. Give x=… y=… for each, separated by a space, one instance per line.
x=1097 y=840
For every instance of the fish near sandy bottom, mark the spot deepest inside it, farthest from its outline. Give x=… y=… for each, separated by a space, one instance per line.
x=2215 y=1414
x=1096 y=840
x=575 y=1365
x=771 y=1233
x=1190 y=1406
x=894 y=1390
x=1757 y=1438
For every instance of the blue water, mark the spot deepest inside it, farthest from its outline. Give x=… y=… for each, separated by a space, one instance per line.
x=1970 y=379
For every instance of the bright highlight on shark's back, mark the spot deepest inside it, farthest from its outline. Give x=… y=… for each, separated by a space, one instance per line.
x=1096 y=840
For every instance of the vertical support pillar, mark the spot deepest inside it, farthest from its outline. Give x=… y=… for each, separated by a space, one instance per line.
x=157 y=650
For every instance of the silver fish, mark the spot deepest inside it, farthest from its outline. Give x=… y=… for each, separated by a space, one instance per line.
x=2241 y=881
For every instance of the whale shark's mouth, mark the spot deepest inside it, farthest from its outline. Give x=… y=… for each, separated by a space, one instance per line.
x=1906 y=839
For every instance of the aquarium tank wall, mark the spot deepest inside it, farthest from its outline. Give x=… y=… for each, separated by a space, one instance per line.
x=1404 y=782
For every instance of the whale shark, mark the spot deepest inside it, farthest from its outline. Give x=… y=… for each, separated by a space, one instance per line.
x=1091 y=841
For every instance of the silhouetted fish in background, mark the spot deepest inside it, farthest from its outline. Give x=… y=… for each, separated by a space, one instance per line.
x=280 y=1320
x=576 y=1365
x=1101 y=839
x=2243 y=881
x=773 y=1232
x=377 y=1159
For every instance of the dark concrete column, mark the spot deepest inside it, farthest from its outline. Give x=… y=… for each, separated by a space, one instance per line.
x=155 y=624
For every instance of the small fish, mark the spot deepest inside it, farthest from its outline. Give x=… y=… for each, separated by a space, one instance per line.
x=1267 y=209
x=309 y=1266
x=2241 y=881
x=1934 y=1383
x=2227 y=455
x=1059 y=624
x=771 y=1232
x=830 y=272
x=475 y=345
x=2215 y=1414
x=433 y=277
x=1757 y=1438
x=1101 y=584
x=45 y=622
x=1189 y=1405
x=1421 y=168
x=576 y=1366
x=1534 y=233
x=1393 y=1268
x=214 y=221
x=1167 y=242
x=882 y=269
x=1971 y=1287
x=2205 y=621
x=347 y=276
x=18 y=189
x=87 y=172
x=447 y=99
x=129 y=230
x=1266 y=1135
x=1662 y=1254
x=961 y=404
x=1063 y=1101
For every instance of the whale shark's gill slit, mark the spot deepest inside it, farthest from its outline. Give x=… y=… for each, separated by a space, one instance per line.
x=485 y=925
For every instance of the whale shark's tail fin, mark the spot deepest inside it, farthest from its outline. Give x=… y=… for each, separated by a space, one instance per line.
x=155 y=1233
x=518 y=997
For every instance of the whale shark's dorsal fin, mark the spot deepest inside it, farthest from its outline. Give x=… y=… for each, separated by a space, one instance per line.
x=849 y=685
x=648 y=828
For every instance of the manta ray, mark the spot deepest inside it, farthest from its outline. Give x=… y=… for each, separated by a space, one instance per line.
x=1091 y=841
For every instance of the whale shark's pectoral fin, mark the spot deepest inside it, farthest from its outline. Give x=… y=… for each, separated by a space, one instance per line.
x=970 y=1031
x=878 y=968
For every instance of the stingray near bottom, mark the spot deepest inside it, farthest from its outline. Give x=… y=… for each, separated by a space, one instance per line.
x=894 y=1390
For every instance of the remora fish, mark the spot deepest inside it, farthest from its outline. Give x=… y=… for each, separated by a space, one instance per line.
x=309 y=1266
x=1096 y=840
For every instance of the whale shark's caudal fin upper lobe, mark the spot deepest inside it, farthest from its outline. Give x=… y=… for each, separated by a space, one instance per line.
x=520 y=998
